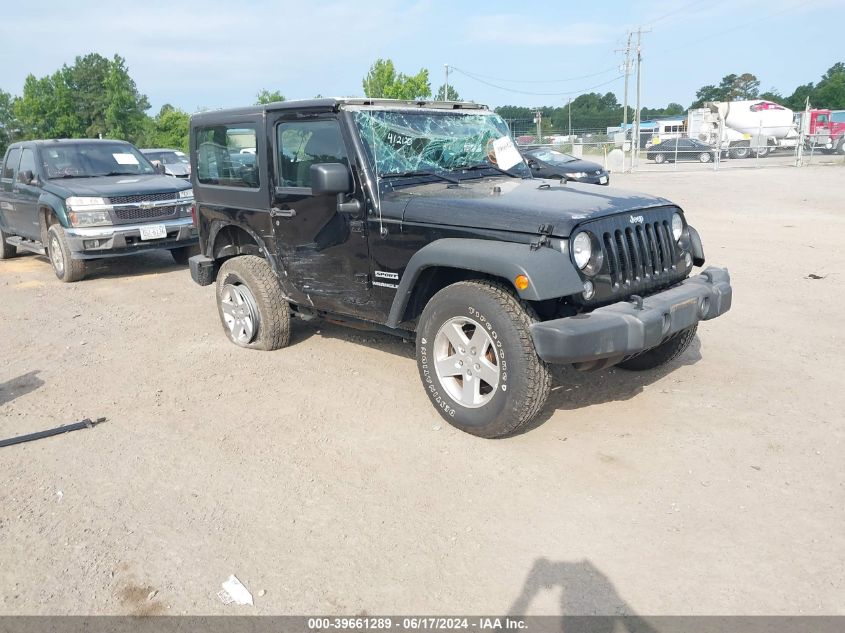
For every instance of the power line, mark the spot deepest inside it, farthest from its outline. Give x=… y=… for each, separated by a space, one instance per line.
x=677 y=11
x=542 y=81
x=536 y=94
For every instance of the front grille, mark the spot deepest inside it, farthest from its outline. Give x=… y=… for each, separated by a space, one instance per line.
x=131 y=214
x=639 y=253
x=637 y=257
x=147 y=197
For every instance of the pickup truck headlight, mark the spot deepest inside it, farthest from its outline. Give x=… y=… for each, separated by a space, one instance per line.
x=677 y=226
x=79 y=203
x=186 y=194
x=89 y=218
x=582 y=249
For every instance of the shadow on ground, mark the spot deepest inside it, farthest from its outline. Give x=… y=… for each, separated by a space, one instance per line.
x=147 y=263
x=20 y=386
x=582 y=590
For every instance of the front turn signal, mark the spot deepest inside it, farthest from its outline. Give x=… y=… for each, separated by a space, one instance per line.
x=521 y=282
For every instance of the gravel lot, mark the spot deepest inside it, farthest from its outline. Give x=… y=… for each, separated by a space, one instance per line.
x=321 y=475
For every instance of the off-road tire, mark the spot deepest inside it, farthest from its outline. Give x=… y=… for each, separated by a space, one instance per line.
x=670 y=349
x=70 y=270
x=273 y=309
x=6 y=250
x=524 y=379
x=182 y=254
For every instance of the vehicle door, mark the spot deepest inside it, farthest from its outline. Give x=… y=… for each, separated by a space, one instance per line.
x=7 y=196
x=324 y=250
x=686 y=150
x=26 y=196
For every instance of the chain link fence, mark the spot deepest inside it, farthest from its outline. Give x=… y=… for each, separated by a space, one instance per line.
x=672 y=147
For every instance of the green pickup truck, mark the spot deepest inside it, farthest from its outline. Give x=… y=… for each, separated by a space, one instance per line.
x=79 y=199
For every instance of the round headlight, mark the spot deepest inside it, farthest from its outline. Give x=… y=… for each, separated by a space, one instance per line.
x=677 y=226
x=582 y=249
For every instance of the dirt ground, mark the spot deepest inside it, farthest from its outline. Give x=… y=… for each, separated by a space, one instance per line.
x=321 y=476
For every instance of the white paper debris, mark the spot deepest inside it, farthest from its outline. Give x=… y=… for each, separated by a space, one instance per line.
x=506 y=153
x=125 y=159
x=234 y=591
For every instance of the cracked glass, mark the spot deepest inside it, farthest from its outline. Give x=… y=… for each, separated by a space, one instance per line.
x=398 y=142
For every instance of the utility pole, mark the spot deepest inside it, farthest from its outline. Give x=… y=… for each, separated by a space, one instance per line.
x=627 y=51
x=446 y=89
x=570 y=118
x=538 y=119
x=637 y=116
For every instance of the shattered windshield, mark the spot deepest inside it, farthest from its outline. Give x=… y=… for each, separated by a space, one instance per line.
x=403 y=142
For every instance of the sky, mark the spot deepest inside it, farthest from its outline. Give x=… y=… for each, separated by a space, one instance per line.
x=220 y=53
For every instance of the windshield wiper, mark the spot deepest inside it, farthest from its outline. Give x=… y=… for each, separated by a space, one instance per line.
x=481 y=166
x=411 y=174
x=70 y=176
x=121 y=173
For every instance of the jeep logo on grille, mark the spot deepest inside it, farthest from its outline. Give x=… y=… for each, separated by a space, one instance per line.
x=146 y=204
x=636 y=219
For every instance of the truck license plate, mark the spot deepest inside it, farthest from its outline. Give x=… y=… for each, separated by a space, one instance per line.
x=153 y=232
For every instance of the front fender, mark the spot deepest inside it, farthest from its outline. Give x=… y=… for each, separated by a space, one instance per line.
x=550 y=273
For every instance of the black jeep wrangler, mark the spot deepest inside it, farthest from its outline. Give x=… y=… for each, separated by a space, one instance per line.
x=420 y=219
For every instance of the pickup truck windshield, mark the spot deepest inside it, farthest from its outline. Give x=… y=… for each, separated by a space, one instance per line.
x=404 y=142
x=89 y=160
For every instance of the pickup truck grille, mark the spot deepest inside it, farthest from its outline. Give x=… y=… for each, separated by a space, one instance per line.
x=149 y=197
x=130 y=214
x=639 y=257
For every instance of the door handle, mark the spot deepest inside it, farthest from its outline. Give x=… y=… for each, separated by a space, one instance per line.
x=276 y=212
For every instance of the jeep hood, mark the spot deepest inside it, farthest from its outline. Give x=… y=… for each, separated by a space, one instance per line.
x=106 y=186
x=513 y=204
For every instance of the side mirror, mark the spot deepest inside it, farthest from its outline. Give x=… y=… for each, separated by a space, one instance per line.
x=330 y=178
x=159 y=167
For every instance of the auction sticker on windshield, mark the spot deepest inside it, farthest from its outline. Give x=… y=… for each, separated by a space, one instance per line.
x=153 y=232
x=507 y=155
x=125 y=159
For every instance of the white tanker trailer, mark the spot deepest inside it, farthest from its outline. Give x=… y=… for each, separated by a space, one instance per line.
x=745 y=128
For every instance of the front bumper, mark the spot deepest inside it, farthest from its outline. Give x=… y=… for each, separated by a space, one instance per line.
x=629 y=327
x=125 y=239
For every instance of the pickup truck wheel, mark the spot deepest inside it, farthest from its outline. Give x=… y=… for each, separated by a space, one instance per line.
x=66 y=268
x=250 y=303
x=670 y=349
x=6 y=250
x=182 y=254
x=477 y=361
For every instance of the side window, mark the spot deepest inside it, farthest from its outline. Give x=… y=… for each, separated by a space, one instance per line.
x=226 y=156
x=10 y=168
x=301 y=144
x=27 y=161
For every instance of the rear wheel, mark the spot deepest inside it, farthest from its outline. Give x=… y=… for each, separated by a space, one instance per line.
x=66 y=268
x=704 y=157
x=252 y=309
x=659 y=159
x=670 y=349
x=477 y=360
x=740 y=151
x=6 y=250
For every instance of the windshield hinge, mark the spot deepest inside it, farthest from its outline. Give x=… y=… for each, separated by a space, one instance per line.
x=544 y=230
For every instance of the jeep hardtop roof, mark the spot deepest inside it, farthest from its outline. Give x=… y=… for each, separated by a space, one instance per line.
x=335 y=104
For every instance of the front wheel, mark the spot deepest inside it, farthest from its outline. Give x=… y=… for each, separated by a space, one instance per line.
x=252 y=309
x=704 y=157
x=66 y=268
x=670 y=349
x=477 y=360
x=659 y=159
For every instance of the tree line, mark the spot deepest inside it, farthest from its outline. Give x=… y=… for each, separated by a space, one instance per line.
x=96 y=96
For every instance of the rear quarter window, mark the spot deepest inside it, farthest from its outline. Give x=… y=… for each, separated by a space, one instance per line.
x=227 y=157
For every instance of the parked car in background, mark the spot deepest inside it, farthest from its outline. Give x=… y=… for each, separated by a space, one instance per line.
x=550 y=163
x=79 y=199
x=176 y=163
x=681 y=149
